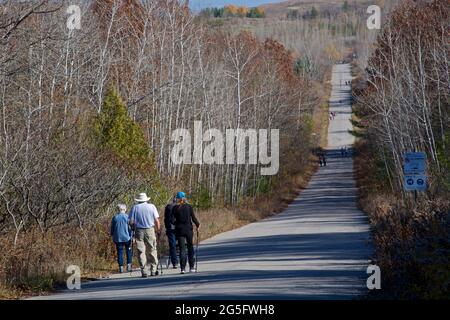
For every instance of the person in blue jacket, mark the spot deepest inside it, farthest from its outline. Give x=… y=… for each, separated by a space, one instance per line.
x=121 y=235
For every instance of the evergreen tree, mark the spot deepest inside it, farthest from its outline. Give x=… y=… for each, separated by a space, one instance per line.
x=314 y=13
x=117 y=133
x=345 y=6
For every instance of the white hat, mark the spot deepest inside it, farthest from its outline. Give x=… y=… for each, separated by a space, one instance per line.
x=142 y=197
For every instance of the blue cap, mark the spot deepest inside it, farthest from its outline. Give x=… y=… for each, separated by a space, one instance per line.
x=180 y=195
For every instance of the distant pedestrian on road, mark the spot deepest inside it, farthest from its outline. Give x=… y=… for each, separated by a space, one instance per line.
x=121 y=235
x=144 y=218
x=324 y=159
x=170 y=232
x=319 y=156
x=182 y=217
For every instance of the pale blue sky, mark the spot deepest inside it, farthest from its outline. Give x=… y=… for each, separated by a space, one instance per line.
x=200 y=4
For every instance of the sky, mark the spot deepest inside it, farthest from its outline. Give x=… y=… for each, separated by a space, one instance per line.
x=200 y=4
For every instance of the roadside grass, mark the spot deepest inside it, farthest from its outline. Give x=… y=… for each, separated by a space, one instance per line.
x=411 y=242
x=37 y=262
x=321 y=113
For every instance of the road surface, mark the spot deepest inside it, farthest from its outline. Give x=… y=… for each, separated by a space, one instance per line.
x=318 y=248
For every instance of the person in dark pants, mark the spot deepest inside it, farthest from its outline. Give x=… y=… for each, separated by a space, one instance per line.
x=121 y=234
x=182 y=217
x=170 y=233
x=324 y=159
x=319 y=156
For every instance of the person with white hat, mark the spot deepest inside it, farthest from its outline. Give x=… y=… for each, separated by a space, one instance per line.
x=143 y=218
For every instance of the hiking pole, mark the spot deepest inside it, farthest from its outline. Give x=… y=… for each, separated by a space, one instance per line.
x=132 y=247
x=159 y=252
x=196 y=250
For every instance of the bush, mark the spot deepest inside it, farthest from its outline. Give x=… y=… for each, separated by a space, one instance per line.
x=202 y=198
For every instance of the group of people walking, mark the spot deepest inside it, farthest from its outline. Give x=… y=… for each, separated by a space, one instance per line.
x=322 y=155
x=142 y=226
x=344 y=151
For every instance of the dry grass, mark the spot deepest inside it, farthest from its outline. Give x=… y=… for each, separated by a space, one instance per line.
x=37 y=264
x=321 y=113
x=411 y=241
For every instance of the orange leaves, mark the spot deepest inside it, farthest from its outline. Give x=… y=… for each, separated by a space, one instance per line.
x=128 y=11
x=232 y=9
x=414 y=35
x=260 y=11
x=283 y=60
x=242 y=11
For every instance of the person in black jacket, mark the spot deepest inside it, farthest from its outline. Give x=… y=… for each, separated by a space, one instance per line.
x=170 y=232
x=182 y=217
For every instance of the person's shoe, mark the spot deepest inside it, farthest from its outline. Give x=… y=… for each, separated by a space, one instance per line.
x=144 y=274
x=154 y=273
x=175 y=266
x=182 y=271
x=192 y=270
x=121 y=269
x=129 y=268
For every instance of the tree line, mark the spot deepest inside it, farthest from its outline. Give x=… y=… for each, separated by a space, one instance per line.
x=233 y=11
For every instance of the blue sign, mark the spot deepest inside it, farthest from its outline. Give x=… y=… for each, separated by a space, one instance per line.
x=417 y=182
x=414 y=163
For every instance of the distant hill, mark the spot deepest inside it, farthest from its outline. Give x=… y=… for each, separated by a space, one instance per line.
x=281 y=9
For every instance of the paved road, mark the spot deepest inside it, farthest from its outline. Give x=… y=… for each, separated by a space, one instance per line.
x=318 y=248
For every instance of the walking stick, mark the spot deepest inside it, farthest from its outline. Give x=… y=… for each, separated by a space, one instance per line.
x=196 y=250
x=159 y=253
x=132 y=247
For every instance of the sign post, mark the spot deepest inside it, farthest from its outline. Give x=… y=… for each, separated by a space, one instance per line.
x=414 y=167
